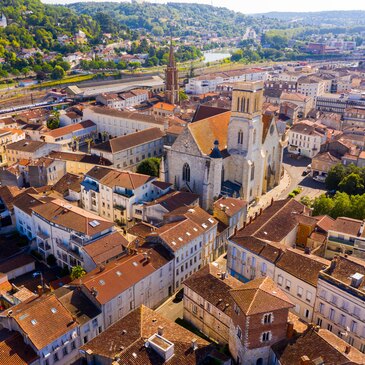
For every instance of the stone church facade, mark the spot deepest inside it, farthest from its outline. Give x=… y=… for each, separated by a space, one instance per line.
x=237 y=153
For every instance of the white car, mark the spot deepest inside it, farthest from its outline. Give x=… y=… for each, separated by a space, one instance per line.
x=320 y=178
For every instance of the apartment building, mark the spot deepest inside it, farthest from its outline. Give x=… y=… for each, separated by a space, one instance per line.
x=118 y=195
x=312 y=86
x=62 y=230
x=206 y=303
x=71 y=136
x=304 y=103
x=8 y=136
x=354 y=117
x=126 y=152
x=46 y=327
x=340 y=305
x=119 y=123
x=208 y=83
x=305 y=140
x=29 y=150
x=144 y=277
x=346 y=235
x=259 y=320
x=189 y=235
x=123 y=100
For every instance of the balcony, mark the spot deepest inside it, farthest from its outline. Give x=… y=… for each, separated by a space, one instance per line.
x=341 y=240
x=42 y=235
x=44 y=246
x=78 y=240
x=126 y=193
x=69 y=250
x=119 y=207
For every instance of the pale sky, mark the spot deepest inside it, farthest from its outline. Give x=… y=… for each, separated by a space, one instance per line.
x=262 y=6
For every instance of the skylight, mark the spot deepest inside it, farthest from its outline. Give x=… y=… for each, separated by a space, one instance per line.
x=53 y=310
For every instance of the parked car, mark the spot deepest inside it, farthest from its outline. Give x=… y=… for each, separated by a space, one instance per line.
x=320 y=178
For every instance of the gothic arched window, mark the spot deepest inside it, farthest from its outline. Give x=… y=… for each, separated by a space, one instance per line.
x=254 y=136
x=252 y=171
x=243 y=103
x=238 y=104
x=240 y=137
x=186 y=172
x=256 y=105
x=248 y=106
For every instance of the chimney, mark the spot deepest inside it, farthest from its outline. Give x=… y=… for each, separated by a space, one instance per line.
x=40 y=290
x=101 y=268
x=333 y=264
x=136 y=243
x=194 y=344
x=223 y=275
x=160 y=330
x=347 y=349
x=304 y=360
x=307 y=251
x=289 y=330
x=272 y=202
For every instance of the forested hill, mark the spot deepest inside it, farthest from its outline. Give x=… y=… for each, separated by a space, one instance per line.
x=34 y=24
x=322 y=18
x=175 y=18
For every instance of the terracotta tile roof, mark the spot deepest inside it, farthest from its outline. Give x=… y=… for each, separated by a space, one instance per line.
x=76 y=302
x=175 y=129
x=106 y=248
x=43 y=320
x=176 y=199
x=325 y=222
x=266 y=123
x=318 y=237
x=13 y=350
x=141 y=229
x=80 y=157
x=126 y=339
x=15 y=262
x=68 y=182
x=293 y=97
x=204 y=112
x=326 y=156
x=275 y=222
x=64 y=214
x=208 y=284
x=271 y=251
x=8 y=194
x=118 y=276
x=69 y=129
x=130 y=140
x=162 y=185
x=28 y=200
x=206 y=131
x=230 y=206
x=25 y=145
x=125 y=179
x=260 y=296
x=346 y=267
x=322 y=344
x=127 y=115
x=348 y=226
x=303 y=266
x=164 y=106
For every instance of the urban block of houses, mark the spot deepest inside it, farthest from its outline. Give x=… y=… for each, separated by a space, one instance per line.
x=118 y=195
x=126 y=152
x=71 y=136
x=123 y=100
x=118 y=123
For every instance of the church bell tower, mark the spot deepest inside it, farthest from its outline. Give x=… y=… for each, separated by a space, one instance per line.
x=172 y=79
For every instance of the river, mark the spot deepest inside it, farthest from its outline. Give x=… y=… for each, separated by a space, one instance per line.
x=216 y=55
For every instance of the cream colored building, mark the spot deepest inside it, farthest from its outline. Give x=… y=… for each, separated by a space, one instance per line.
x=206 y=303
x=340 y=305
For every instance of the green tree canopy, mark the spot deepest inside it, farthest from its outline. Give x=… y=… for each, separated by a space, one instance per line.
x=53 y=121
x=77 y=272
x=58 y=73
x=149 y=166
x=352 y=184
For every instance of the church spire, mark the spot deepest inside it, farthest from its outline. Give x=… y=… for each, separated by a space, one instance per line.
x=172 y=78
x=172 y=62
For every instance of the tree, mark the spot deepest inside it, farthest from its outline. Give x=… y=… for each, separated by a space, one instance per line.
x=352 y=184
x=183 y=96
x=53 y=121
x=149 y=166
x=58 y=73
x=342 y=205
x=323 y=205
x=77 y=272
x=334 y=176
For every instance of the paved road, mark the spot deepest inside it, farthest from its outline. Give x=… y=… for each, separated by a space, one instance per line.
x=171 y=309
x=294 y=168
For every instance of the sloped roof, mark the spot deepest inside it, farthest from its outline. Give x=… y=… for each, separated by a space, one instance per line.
x=206 y=131
x=260 y=296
